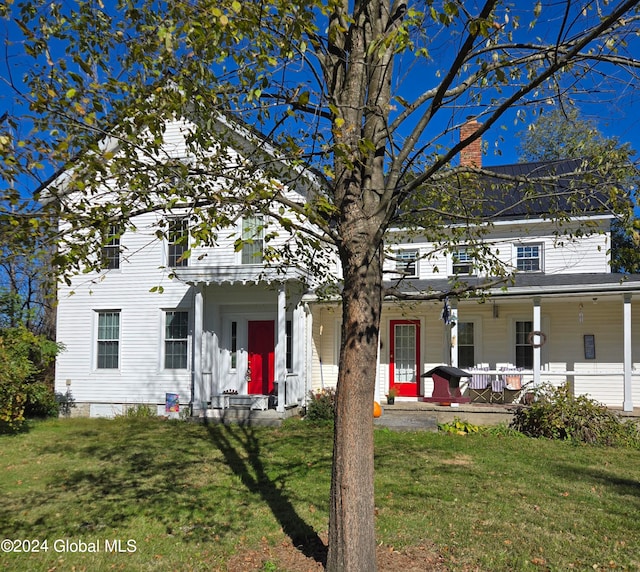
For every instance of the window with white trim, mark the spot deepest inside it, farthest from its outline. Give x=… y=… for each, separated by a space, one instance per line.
x=108 y=340
x=176 y=332
x=111 y=248
x=524 y=350
x=178 y=243
x=462 y=261
x=407 y=263
x=529 y=257
x=252 y=239
x=466 y=344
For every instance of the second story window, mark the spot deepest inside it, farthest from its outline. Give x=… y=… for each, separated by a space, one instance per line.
x=407 y=263
x=111 y=248
x=462 y=261
x=252 y=239
x=178 y=243
x=528 y=257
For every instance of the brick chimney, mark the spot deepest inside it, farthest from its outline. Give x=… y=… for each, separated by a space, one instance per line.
x=471 y=155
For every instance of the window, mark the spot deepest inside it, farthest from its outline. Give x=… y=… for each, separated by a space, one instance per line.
x=111 y=248
x=175 y=339
x=466 y=351
x=406 y=263
x=252 y=239
x=289 y=345
x=108 y=339
x=178 y=238
x=463 y=261
x=524 y=350
x=528 y=258
x=234 y=345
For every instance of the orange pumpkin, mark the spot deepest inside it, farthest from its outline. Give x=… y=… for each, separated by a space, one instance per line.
x=377 y=410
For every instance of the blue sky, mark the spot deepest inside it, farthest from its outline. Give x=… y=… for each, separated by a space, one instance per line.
x=614 y=114
x=613 y=108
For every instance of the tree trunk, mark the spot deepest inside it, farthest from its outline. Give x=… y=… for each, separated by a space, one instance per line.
x=351 y=522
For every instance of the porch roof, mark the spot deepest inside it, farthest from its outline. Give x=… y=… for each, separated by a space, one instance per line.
x=239 y=274
x=534 y=284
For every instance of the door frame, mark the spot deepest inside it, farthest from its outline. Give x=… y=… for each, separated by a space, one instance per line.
x=267 y=353
x=404 y=389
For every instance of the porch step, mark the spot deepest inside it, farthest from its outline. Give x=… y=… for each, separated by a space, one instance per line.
x=246 y=416
x=403 y=420
x=413 y=414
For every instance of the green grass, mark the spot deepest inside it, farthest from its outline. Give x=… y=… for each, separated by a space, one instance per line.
x=192 y=496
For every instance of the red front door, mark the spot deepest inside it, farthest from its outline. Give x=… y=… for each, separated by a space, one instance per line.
x=261 y=356
x=404 y=357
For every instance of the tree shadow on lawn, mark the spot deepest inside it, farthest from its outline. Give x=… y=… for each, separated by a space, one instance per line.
x=250 y=468
x=131 y=470
x=160 y=472
x=621 y=485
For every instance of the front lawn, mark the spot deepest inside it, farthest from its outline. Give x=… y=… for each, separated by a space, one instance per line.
x=146 y=494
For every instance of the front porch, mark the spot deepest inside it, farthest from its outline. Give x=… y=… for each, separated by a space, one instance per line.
x=249 y=341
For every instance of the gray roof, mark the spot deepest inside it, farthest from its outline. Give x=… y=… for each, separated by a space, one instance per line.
x=531 y=283
x=544 y=187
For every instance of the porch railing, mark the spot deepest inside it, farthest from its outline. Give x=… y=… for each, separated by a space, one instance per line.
x=291 y=392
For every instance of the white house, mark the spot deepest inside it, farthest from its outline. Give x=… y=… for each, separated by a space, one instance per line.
x=226 y=324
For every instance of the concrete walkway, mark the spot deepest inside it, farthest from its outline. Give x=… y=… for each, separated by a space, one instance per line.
x=419 y=416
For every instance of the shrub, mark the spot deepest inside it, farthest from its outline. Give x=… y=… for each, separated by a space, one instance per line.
x=12 y=399
x=23 y=359
x=557 y=414
x=141 y=410
x=40 y=400
x=66 y=402
x=322 y=405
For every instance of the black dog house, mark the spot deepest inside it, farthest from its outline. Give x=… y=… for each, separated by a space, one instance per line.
x=446 y=385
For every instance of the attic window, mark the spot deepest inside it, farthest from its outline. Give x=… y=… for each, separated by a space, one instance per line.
x=253 y=239
x=178 y=238
x=111 y=248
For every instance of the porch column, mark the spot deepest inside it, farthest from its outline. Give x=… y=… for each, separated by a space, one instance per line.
x=199 y=394
x=281 y=346
x=299 y=350
x=627 y=404
x=309 y=345
x=212 y=360
x=453 y=335
x=536 y=340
